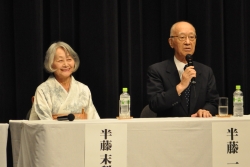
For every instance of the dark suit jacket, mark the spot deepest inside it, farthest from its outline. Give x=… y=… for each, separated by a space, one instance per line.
x=162 y=95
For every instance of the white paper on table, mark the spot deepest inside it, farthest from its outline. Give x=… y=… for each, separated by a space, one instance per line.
x=230 y=142
x=105 y=145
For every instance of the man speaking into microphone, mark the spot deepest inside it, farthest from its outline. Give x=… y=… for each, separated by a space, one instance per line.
x=181 y=87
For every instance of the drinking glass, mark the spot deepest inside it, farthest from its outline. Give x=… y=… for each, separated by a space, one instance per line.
x=223 y=106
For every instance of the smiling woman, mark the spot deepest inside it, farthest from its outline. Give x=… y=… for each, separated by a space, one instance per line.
x=61 y=94
x=64 y=66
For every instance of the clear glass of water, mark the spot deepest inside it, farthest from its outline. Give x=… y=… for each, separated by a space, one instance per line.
x=223 y=106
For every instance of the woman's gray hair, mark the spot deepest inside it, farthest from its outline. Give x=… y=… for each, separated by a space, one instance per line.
x=50 y=54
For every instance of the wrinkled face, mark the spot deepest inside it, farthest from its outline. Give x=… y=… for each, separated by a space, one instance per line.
x=182 y=39
x=63 y=64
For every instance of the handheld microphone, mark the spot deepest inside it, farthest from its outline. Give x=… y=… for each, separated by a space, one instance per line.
x=69 y=117
x=189 y=59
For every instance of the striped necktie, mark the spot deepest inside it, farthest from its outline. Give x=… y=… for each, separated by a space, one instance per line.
x=187 y=92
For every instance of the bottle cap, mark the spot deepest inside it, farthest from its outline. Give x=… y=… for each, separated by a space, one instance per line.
x=124 y=89
x=238 y=87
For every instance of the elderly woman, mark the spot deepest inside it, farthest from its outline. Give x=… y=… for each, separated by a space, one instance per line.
x=61 y=94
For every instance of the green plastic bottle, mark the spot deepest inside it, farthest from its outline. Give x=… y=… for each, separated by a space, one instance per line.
x=238 y=110
x=124 y=104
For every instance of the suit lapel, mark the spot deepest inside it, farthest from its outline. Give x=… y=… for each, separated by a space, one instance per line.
x=195 y=89
x=172 y=73
x=174 y=79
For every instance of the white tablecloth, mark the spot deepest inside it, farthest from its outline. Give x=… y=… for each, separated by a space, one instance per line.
x=156 y=142
x=3 y=144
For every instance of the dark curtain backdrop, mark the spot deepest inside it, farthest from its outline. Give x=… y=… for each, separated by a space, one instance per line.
x=117 y=40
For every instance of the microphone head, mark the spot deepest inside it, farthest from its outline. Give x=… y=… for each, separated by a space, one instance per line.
x=189 y=57
x=71 y=117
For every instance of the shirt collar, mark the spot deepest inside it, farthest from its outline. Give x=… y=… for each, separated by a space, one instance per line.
x=180 y=66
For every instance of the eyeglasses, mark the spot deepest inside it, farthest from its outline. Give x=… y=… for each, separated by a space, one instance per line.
x=183 y=37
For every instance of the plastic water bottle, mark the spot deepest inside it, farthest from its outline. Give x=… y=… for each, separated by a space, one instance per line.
x=124 y=105
x=238 y=102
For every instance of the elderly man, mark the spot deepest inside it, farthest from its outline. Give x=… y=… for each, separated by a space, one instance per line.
x=169 y=88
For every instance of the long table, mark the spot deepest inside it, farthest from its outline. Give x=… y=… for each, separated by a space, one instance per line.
x=157 y=142
x=3 y=144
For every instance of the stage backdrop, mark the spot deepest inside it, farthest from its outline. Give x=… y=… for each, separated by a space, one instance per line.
x=116 y=41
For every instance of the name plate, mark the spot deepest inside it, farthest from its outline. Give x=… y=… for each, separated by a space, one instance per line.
x=105 y=145
x=230 y=141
